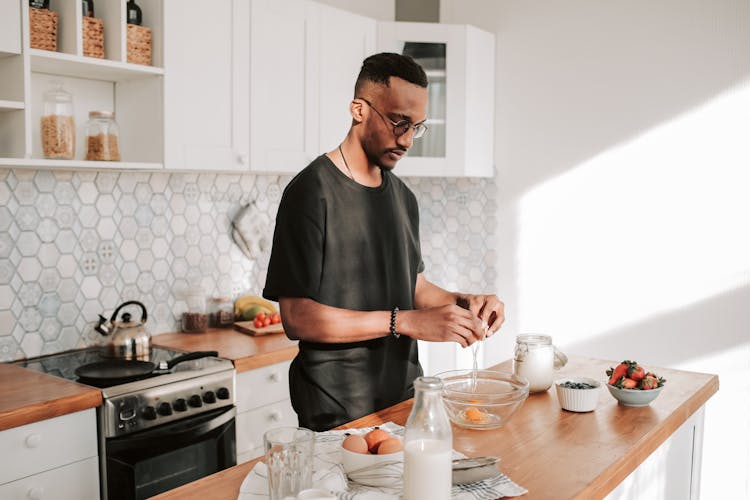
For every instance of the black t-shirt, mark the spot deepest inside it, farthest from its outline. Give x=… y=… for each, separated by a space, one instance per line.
x=354 y=247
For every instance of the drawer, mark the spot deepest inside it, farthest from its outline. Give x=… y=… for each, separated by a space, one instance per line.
x=252 y=424
x=76 y=481
x=47 y=444
x=256 y=388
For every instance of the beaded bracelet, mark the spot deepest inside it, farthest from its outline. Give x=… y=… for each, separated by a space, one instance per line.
x=393 y=323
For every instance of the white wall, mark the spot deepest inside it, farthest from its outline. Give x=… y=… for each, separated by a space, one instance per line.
x=624 y=191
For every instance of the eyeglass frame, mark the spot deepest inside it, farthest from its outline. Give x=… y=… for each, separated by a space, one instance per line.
x=420 y=129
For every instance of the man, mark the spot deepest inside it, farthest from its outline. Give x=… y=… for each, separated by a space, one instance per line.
x=346 y=265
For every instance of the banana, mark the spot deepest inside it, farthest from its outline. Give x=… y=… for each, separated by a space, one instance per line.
x=255 y=302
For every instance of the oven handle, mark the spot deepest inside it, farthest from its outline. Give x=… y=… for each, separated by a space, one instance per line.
x=168 y=431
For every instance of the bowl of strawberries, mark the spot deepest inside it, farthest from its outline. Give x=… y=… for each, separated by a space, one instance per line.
x=632 y=385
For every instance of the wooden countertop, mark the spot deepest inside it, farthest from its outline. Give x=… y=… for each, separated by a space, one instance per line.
x=27 y=396
x=539 y=444
x=245 y=351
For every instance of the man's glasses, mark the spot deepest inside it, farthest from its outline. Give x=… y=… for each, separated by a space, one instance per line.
x=400 y=127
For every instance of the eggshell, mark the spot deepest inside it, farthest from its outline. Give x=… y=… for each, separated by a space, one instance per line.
x=374 y=438
x=390 y=445
x=355 y=443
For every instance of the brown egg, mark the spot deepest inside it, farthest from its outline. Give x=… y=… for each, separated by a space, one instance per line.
x=374 y=438
x=390 y=445
x=355 y=443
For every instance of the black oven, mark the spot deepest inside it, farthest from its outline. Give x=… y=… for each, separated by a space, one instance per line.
x=146 y=463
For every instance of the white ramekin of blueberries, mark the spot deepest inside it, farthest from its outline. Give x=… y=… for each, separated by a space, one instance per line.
x=579 y=394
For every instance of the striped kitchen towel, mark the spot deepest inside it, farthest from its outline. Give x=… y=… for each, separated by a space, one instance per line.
x=329 y=475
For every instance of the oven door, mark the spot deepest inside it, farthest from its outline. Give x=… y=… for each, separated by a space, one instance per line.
x=156 y=460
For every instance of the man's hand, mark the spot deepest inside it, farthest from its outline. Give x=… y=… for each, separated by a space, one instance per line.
x=488 y=308
x=448 y=323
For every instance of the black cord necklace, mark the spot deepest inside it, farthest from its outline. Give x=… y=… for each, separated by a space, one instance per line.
x=346 y=164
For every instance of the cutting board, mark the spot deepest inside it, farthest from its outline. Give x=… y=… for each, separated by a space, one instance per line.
x=247 y=327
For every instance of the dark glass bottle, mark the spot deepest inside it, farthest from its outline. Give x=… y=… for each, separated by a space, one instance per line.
x=88 y=8
x=135 y=16
x=39 y=4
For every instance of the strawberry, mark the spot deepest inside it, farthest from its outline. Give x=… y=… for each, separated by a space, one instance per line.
x=626 y=383
x=648 y=383
x=635 y=371
x=617 y=372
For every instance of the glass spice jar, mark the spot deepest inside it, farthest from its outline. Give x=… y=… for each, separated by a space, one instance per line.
x=221 y=312
x=102 y=137
x=57 y=126
x=195 y=319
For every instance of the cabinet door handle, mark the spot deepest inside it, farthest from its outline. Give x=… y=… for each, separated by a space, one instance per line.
x=33 y=440
x=274 y=416
x=242 y=158
x=273 y=377
x=35 y=493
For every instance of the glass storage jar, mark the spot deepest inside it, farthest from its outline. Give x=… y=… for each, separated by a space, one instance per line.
x=102 y=137
x=195 y=319
x=535 y=358
x=221 y=312
x=57 y=126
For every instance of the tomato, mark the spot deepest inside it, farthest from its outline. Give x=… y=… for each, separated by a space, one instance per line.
x=275 y=318
x=258 y=323
x=260 y=315
x=266 y=321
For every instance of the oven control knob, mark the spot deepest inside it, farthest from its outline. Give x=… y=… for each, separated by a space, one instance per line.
x=209 y=397
x=179 y=404
x=222 y=393
x=149 y=413
x=164 y=409
x=195 y=401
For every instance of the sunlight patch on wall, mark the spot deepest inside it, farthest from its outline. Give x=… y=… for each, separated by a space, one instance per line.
x=645 y=227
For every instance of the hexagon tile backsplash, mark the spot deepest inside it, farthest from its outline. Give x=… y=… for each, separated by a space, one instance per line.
x=74 y=245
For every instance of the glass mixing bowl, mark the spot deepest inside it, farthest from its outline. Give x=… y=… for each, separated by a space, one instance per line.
x=482 y=399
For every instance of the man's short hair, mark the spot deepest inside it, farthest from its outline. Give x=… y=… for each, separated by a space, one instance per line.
x=379 y=68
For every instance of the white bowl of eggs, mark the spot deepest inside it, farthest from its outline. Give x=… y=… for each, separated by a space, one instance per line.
x=374 y=458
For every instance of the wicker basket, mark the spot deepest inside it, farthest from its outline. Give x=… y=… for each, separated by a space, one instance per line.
x=139 y=45
x=43 y=29
x=93 y=37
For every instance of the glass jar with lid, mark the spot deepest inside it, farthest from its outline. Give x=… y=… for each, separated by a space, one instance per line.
x=221 y=312
x=57 y=124
x=102 y=137
x=195 y=319
x=535 y=358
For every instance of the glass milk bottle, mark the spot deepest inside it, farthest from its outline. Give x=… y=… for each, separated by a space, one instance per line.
x=536 y=359
x=428 y=444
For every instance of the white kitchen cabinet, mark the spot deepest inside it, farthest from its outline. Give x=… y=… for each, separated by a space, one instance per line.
x=10 y=35
x=262 y=400
x=132 y=91
x=673 y=470
x=54 y=458
x=304 y=59
x=206 y=62
x=460 y=64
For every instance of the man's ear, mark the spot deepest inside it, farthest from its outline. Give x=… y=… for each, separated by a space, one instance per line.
x=355 y=108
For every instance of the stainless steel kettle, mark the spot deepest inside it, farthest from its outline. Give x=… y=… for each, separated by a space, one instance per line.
x=130 y=339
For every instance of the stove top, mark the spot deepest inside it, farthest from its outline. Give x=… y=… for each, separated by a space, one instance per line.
x=189 y=388
x=64 y=365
